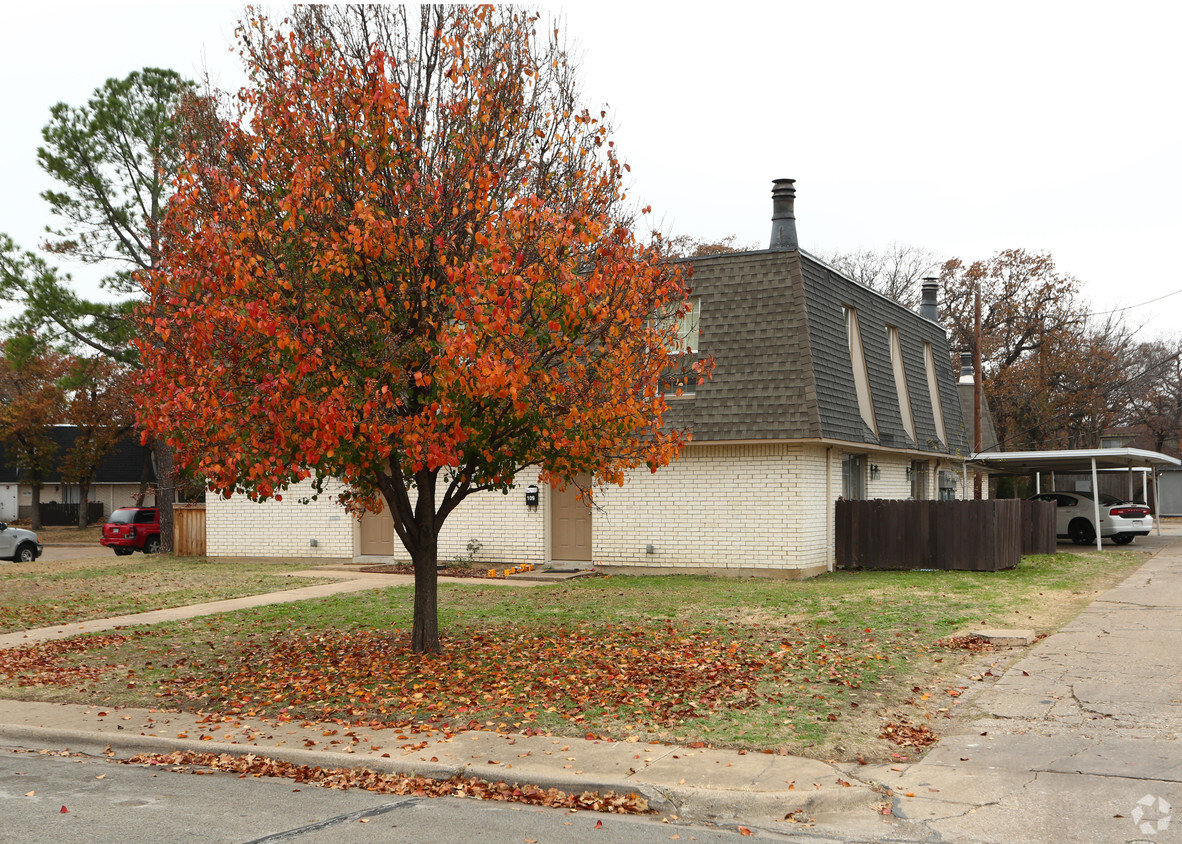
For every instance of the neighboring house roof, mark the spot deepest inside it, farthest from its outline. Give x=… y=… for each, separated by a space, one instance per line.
x=123 y=464
x=774 y=322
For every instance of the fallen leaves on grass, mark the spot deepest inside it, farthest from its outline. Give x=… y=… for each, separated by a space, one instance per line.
x=591 y=676
x=415 y=786
x=48 y=663
x=906 y=735
x=663 y=674
x=976 y=644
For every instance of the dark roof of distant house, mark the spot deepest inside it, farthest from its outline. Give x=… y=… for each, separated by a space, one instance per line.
x=123 y=464
x=773 y=320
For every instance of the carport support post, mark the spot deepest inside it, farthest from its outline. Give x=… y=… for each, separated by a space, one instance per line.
x=1096 y=503
x=1156 y=503
x=1037 y=482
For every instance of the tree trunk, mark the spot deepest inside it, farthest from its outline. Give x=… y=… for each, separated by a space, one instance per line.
x=145 y=478
x=36 y=506
x=83 y=492
x=424 y=637
x=165 y=492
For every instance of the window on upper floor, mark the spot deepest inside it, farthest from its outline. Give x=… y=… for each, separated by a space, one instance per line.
x=901 y=382
x=681 y=380
x=929 y=362
x=858 y=361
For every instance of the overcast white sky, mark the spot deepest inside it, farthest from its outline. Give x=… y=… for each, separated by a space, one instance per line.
x=962 y=128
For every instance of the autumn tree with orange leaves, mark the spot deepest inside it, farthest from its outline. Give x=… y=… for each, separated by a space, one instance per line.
x=409 y=266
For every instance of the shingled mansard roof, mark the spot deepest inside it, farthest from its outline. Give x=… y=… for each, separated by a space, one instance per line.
x=774 y=322
x=121 y=465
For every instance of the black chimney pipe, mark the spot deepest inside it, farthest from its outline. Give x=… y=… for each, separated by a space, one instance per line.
x=966 y=365
x=784 y=215
x=928 y=305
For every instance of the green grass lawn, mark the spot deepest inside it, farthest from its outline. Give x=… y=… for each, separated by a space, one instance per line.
x=42 y=593
x=816 y=667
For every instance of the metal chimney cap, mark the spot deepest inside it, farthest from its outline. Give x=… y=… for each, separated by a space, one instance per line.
x=929 y=299
x=966 y=367
x=784 y=215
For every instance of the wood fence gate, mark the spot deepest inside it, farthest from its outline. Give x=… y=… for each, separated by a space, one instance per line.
x=188 y=529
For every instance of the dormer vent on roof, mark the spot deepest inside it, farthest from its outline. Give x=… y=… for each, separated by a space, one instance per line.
x=784 y=215
x=929 y=301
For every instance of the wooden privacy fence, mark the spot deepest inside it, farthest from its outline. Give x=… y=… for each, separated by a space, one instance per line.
x=960 y=535
x=1039 y=522
x=188 y=529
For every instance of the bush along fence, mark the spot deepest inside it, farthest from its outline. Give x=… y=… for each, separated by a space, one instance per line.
x=958 y=535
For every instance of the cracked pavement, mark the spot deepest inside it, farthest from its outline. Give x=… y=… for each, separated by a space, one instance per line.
x=1069 y=742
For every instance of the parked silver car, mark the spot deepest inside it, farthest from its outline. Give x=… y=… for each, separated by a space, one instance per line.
x=1120 y=521
x=18 y=544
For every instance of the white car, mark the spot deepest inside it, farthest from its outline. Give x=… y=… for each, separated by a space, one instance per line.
x=18 y=544
x=1120 y=521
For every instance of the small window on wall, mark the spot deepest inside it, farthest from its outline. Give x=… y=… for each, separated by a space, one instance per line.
x=919 y=479
x=853 y=477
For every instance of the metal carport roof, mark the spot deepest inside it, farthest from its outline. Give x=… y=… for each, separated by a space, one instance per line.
x=1080 y=460
x=1077 y=460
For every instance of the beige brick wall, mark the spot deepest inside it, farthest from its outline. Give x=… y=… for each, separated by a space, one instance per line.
x=239 y=527
x=719 y=507
x=509 y=532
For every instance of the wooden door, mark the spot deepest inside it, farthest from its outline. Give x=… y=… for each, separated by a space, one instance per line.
x=377 y=534
x=570 y=525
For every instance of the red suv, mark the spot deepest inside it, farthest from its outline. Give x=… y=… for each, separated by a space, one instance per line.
x=132 y=529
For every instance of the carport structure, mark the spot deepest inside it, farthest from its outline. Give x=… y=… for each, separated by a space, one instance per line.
x=1083 y=460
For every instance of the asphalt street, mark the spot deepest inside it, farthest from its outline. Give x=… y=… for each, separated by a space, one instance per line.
x=111 y=803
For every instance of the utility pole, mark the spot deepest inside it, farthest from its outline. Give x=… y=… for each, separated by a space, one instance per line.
x=977 y=385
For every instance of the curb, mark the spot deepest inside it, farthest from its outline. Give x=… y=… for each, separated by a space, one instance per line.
x=698 y=804
x=96 y=744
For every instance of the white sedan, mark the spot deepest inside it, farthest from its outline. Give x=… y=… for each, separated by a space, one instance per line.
x=18 y=544
x=1120 y=521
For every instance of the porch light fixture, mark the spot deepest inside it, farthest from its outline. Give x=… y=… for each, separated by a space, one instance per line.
x=875 y=472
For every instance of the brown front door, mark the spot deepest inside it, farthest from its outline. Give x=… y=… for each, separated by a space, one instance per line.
x=377 y=534
x=570 y=525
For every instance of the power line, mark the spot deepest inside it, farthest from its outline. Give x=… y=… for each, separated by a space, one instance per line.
x=1131 y=307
